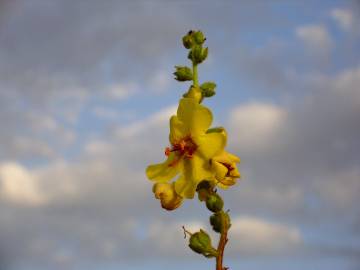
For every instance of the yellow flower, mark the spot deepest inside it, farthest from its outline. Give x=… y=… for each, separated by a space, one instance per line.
x=224 y=167
x=165 y=192
x=191 y=149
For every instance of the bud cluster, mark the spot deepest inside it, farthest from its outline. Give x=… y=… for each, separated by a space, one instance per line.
x=200 y=242
x=194 y=41
x=219 y=220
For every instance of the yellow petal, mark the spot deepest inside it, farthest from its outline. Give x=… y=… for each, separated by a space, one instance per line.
x=219 y=169
x=163 y=172
x=197 y=118
x=184 y=188
x=177 y=130
x=233 y=158
x=194 y=171
x=211 y=144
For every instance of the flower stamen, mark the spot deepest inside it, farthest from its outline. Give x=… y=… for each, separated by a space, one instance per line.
x=184 y=148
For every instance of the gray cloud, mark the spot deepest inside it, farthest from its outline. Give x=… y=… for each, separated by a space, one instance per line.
x=299 y=153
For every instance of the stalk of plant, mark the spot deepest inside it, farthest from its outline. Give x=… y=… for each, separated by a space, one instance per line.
x=196 y=159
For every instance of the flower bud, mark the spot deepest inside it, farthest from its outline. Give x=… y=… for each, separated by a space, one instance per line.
x=204 y=189
x=208 y=89
x=214 y=203
x=199 y=38
x=220 y=221
x=188 y=41
x=200 y=242
x=198 y=54
x=169 y=199
x=183 y=73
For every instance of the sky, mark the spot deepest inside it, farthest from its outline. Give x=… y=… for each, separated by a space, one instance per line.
x=86 y=91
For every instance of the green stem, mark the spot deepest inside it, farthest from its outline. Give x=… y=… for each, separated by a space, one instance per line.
x=195 y=75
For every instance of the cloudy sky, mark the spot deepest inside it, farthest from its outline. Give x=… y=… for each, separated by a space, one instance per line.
x=86 y=91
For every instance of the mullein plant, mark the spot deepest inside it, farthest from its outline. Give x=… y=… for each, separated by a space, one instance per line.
x=196 y=160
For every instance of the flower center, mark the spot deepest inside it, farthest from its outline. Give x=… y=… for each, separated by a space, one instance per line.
x=183 y=148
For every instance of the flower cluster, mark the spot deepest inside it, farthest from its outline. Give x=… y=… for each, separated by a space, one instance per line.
x=196 y=151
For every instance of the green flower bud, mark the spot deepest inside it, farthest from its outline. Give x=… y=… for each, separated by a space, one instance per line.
x=199 y=37
x=188 y=40
x=183 y=73
x=200 y=242
x=214 y=203
x=198 y=54
x=220 y=221
x=208 y=89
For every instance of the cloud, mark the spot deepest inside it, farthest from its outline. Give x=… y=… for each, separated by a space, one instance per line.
x=122 y=91
x=160 y=81
x=309 y=155
x=254 y=125
x=159 y=119
x=256 y=237
x=315 y=36
x=344 y=17
x=18 y=185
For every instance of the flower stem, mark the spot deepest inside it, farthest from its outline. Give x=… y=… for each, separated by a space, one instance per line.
x=221 y=246
x=195 y=75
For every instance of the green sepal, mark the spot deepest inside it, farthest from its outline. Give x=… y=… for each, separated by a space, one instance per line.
x=215 y=130
x=208 y=89
x=183 y=73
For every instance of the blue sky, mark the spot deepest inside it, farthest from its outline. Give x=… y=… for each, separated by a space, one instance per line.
x=86 y=91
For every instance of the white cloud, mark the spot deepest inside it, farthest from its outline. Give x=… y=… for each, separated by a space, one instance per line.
x=253 y=125
x=344 y=18
x=315 y=36
x=160 y=81
x=253 y=237
x=157 y=119
x=19 y=185
x=122 y=90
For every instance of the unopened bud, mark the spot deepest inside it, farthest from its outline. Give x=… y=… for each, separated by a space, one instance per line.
x=220 y=221
x=199 y=38
x=214 y=203
x=198 y=54
x=169 y=199
x=183 y=73
x=188 y=40
x=204 y=189
x=208 y=89
x=200 y=242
